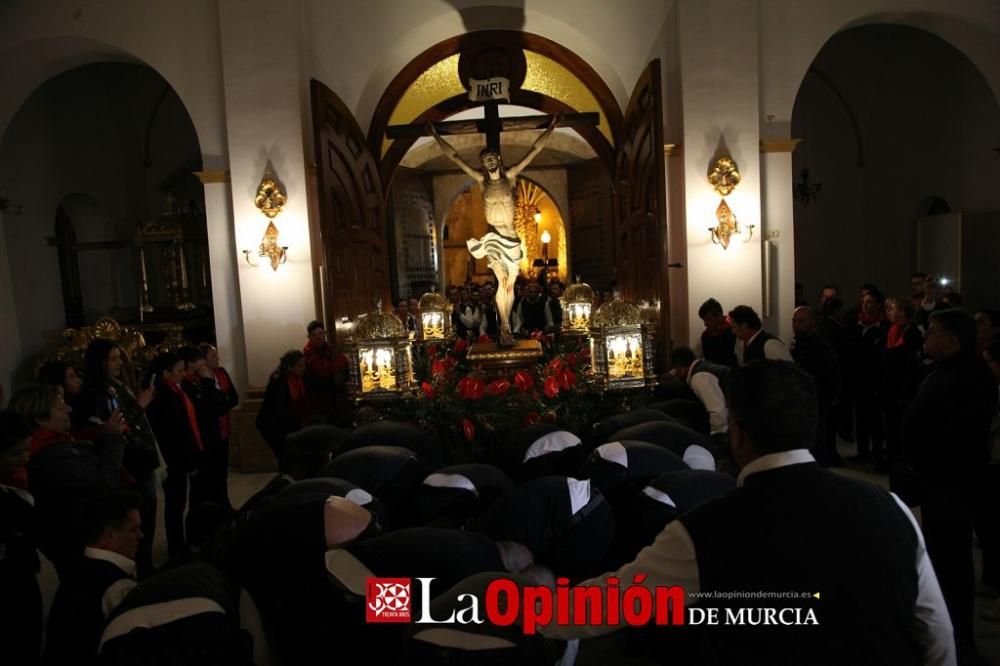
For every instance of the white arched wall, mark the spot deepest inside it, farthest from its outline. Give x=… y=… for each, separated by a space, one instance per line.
x=793 y=32
x=791 y=35
x=43 y=40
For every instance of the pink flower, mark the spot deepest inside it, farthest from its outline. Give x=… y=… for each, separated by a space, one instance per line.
x=428 y=390
x=551 y=387
x=469 y=430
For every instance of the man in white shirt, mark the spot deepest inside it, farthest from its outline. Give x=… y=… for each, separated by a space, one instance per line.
x=789 y=527
x=708 y=381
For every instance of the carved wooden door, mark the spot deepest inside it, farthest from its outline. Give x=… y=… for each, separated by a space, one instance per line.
x=352 y=224
x=640 y=205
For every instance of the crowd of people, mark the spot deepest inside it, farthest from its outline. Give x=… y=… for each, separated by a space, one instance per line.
x=537 y=306
x=721 y=487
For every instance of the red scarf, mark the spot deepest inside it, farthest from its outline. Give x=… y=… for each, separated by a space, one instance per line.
x=896 y=336
x=43 y=438
x=189 y=408
x=297 y=393
x=869 y=320
x=223 y=380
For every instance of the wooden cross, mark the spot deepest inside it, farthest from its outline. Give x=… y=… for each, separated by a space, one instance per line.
x=492 y=125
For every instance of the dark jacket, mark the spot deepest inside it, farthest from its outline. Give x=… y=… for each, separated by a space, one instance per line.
x=98 y=402
x=210 y=405
x=277 y=416
x=720 y=347
x=819 y=359
x=901 y=367
x=21 y=601
x=946 y=431
x=62 y=477
x=179 y=442
x=865 y=354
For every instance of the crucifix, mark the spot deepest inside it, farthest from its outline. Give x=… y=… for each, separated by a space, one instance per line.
x=501 y=246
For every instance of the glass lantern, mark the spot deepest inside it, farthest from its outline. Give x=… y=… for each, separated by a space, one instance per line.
x=382 y=365
x=578 y=300
x=621 y=347
x=435 y=317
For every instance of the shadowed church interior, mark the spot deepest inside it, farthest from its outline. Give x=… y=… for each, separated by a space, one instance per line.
x=329 y=295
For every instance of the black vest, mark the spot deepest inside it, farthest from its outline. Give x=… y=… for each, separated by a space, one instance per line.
x=804 y=529
x=555 y=307
x=755 y=350
x=77 y=617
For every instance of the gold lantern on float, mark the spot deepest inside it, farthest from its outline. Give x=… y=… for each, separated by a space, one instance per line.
x=381 y=363
x=578 y=300
x=435 y=317
x=622 y=350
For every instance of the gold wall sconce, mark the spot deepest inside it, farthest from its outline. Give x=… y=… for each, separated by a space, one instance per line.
x=270 y=200
x=724 y=176
x=276 y=254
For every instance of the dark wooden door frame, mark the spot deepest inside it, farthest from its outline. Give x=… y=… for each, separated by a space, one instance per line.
x=528 y=41
x=352 y=226
x=641 y=243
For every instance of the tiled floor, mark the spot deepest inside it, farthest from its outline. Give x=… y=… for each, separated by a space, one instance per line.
x=242 y=486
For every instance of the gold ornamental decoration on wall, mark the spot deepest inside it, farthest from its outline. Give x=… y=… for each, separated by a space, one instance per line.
x=723 y=176
x=270 y=197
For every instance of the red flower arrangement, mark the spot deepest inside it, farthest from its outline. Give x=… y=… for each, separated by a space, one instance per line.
x=474 y=413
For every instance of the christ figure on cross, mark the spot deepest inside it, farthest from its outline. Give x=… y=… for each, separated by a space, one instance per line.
x=501 y=247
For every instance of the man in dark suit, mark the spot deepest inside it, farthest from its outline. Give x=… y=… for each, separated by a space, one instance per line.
x=819 y=359
x=98 y=583
x=717 y=341
x=946 y=444
x=790 y=525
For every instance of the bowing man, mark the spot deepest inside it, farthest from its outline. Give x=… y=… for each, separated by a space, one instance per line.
x=97 y=583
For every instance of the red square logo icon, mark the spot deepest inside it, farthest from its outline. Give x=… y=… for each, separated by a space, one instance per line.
x=387 y=600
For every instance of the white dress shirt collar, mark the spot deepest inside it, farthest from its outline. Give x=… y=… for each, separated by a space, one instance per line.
x=774 y=461
x=120 y=561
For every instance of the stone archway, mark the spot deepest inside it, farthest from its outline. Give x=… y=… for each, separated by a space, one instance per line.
x=872 y=94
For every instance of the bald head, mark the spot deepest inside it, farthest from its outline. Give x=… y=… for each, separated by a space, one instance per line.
x=803 y=320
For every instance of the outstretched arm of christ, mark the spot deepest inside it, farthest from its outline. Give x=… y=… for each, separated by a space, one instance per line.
x=536 y=148
x=452 y=154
